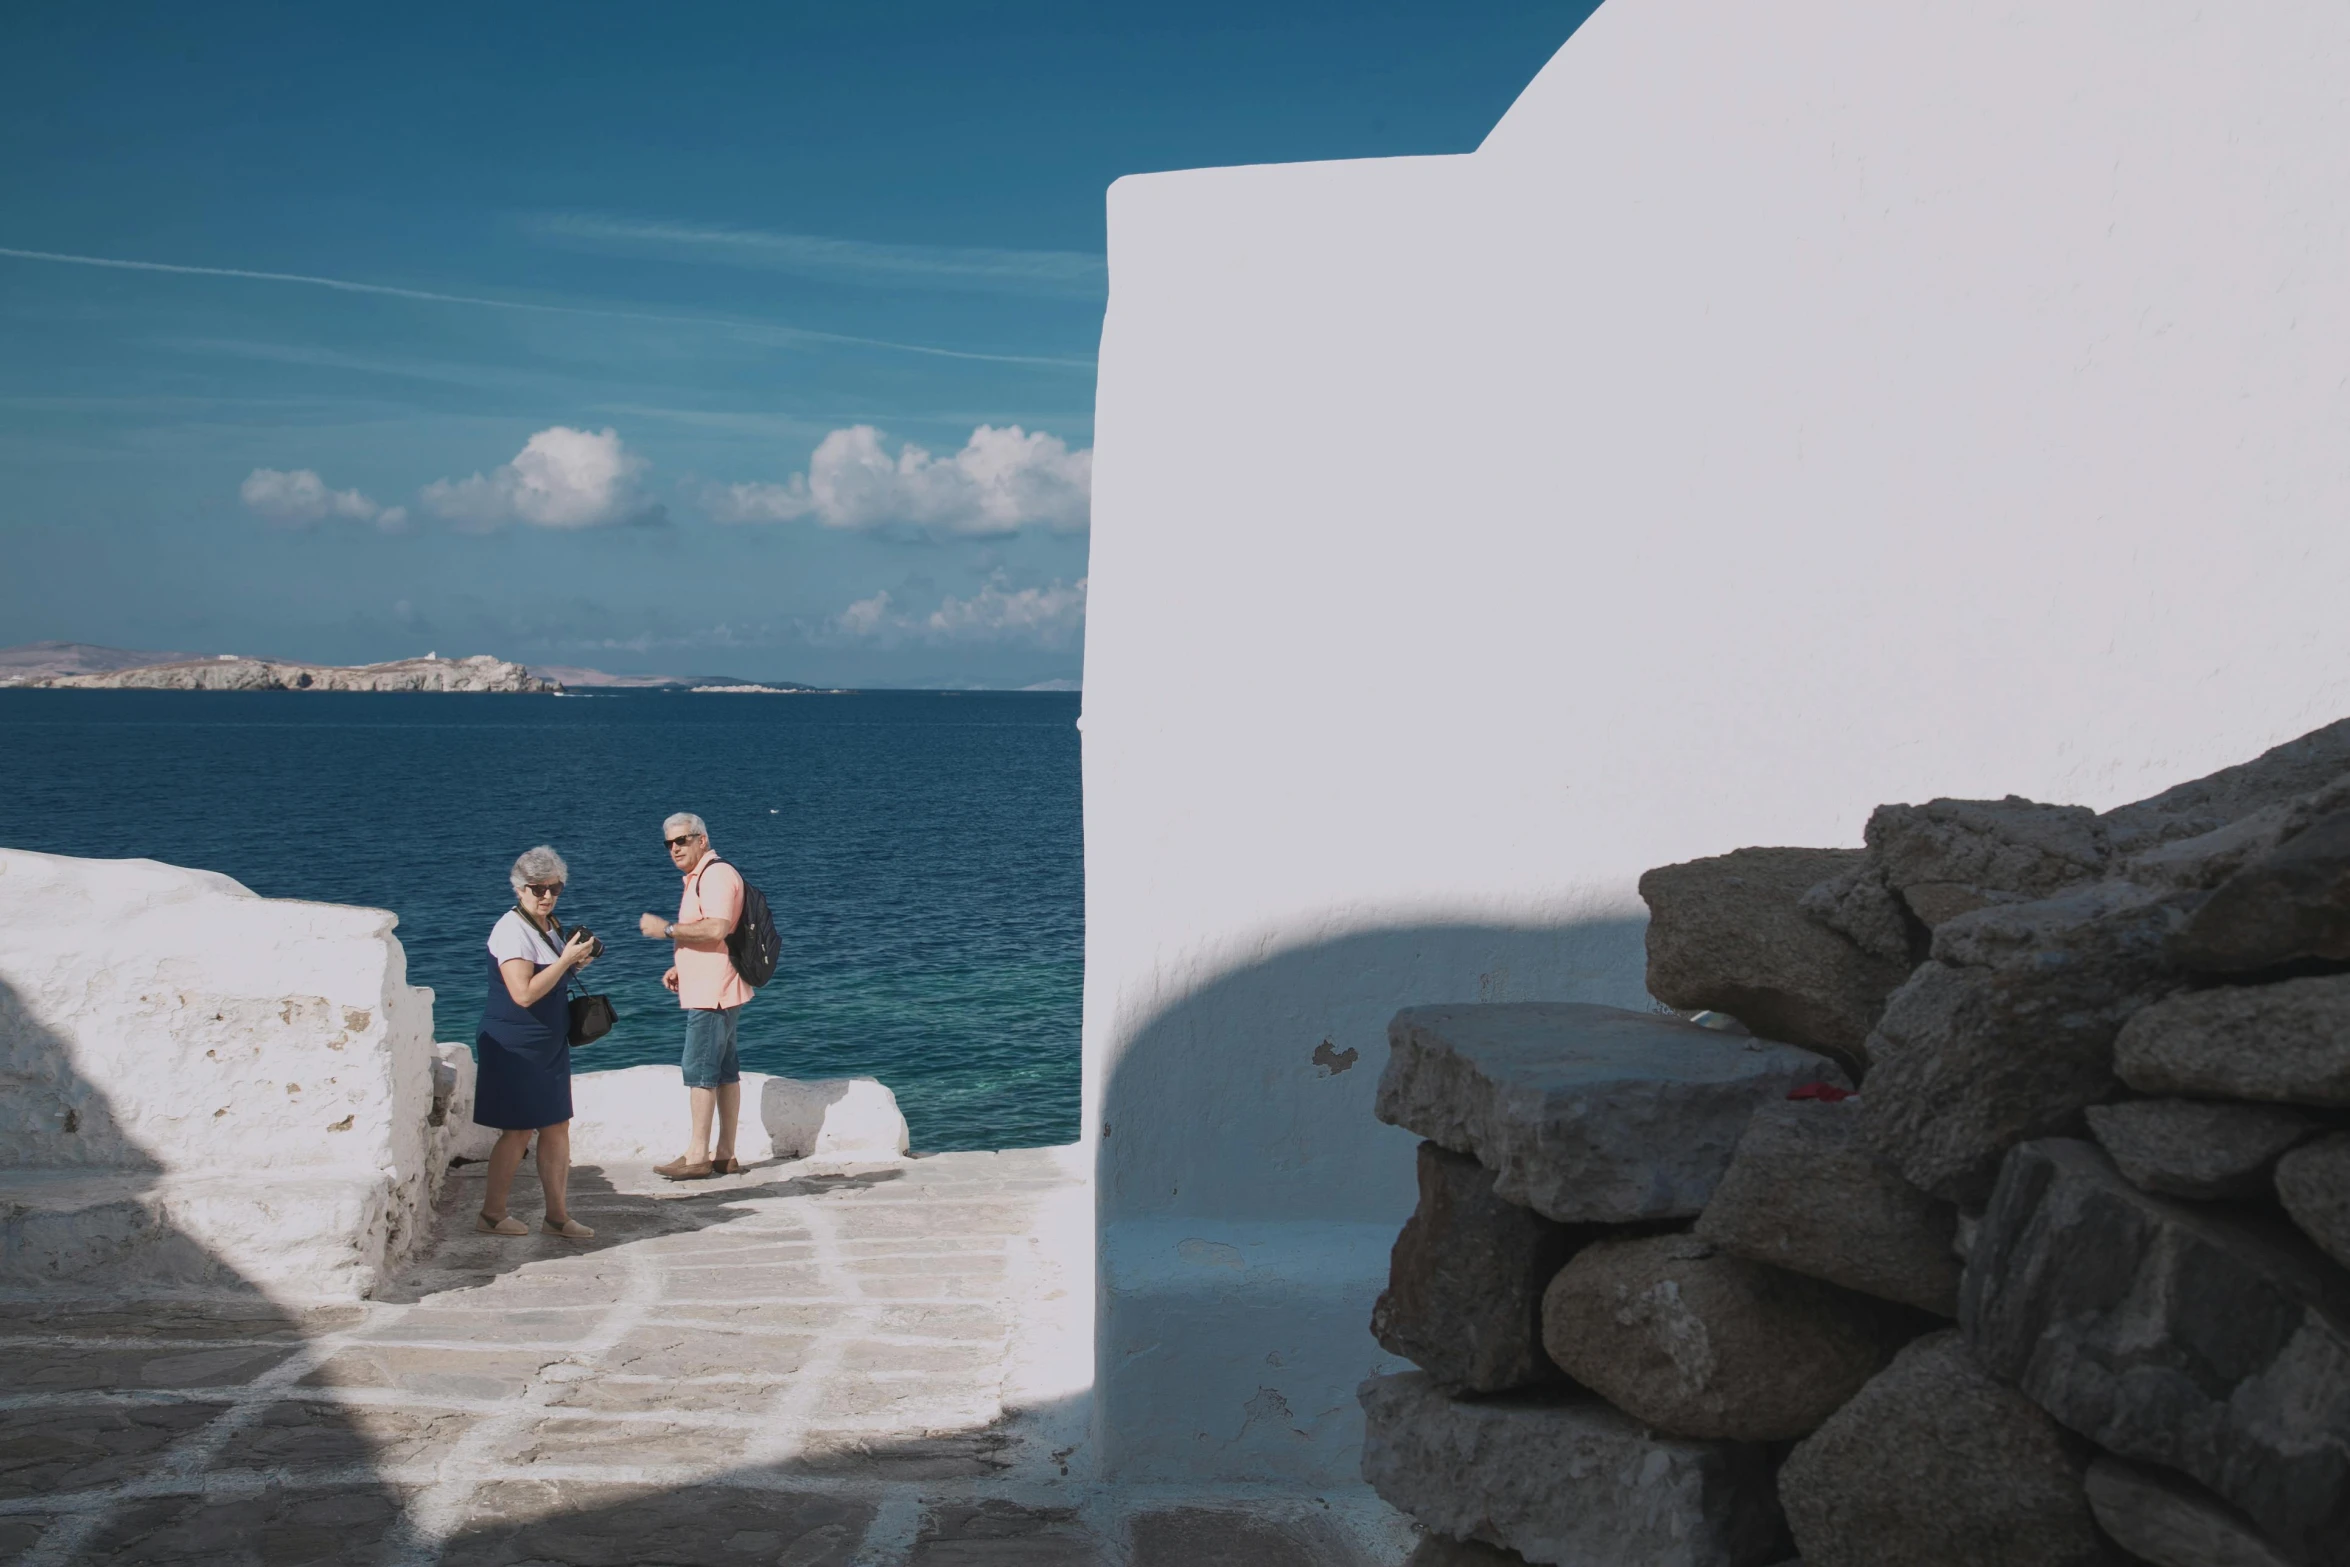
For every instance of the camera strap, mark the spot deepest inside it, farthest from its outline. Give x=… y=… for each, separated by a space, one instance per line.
x=557 y=940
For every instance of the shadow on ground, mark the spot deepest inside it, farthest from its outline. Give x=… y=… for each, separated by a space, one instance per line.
x=105 y=1395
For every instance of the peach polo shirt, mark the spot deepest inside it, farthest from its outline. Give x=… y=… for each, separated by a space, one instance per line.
x=705 y=974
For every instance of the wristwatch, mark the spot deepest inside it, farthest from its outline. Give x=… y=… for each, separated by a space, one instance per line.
x=670 y=933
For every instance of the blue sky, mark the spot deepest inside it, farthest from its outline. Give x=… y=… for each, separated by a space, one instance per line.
x=598 y=334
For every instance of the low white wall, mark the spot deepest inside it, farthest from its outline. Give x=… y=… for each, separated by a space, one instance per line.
x=192 y=1071
x=1788 y=409
x=639 y=1115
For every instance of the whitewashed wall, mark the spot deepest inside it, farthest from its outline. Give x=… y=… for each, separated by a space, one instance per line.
x=1789 y=408
x=204 y=1088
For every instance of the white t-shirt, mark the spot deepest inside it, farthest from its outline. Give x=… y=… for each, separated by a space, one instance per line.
x=515 y=937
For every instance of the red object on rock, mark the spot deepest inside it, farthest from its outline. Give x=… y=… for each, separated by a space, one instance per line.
x=1827 y=1092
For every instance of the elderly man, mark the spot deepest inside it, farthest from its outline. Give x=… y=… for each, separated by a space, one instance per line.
x=709 y=989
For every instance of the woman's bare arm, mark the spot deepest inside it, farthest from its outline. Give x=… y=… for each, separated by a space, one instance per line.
x=529 y=988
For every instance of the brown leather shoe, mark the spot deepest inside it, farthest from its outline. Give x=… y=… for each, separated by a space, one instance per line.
x=728 y=1166
x=680 y=1169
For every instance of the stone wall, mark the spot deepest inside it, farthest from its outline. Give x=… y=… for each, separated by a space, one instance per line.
x=1987 y=1201
x=202 y=1088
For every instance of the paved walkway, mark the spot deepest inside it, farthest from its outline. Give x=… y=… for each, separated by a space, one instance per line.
x=859 y=1368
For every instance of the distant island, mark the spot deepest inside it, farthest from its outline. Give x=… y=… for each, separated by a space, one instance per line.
x=33 y=660
x=86 y=666
x=576 y=679
x=228 y=672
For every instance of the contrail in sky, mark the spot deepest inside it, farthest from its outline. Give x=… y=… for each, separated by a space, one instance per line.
x=346 y=286
x=1068 y=273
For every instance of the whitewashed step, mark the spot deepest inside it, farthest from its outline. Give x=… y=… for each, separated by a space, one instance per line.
x=139 y=1232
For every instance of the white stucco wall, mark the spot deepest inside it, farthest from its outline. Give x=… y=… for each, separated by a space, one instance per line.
x=1789 y=408
x=640 y=1115
x=202 y=1087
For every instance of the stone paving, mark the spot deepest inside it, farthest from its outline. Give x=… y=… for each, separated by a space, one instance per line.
x=791 y=1368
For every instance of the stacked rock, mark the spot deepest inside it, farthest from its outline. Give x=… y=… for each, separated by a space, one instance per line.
x=2067 y=1282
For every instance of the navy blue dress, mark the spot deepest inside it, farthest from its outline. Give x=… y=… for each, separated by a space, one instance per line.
x=523 y=1055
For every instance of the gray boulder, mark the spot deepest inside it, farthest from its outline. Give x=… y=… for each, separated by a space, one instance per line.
x=1729 y=934
x=1950 y=857
x=2291 y=905
x=1565 y=1479
x=1936 y=1464
x=2008 y=1033
x=1696 y=1342
x=2284 y=1043
x=2174 y=1334
x=1856 y=904
x=1584 y=1113
x=2204 y=804
x=2204 y=862
x=1464 y=1285
x=2314 y=1185
x=2188 y=1148
x=1806 y=1192
x=2164 y=1520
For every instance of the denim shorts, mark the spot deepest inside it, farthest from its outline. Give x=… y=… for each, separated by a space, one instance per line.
x=709 y=1060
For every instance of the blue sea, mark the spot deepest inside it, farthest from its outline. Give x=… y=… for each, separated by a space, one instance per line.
x=922 y=852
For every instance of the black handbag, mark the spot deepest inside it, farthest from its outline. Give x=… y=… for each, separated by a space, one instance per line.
x=592 y=1017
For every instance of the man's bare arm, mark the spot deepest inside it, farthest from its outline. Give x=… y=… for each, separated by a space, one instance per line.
x=715 y=928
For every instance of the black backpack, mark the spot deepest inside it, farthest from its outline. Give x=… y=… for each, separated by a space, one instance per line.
x=753 y=944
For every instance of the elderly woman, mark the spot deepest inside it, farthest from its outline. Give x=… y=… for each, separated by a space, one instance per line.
x=524 y=1083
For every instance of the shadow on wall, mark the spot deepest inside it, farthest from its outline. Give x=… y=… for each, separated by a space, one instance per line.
x=51 y=1117
x=61 y=1151
x=1248 y=1197
x=1251 y=1097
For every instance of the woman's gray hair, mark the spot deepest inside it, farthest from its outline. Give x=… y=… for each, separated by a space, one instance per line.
x=684 y=821
x=541 y=864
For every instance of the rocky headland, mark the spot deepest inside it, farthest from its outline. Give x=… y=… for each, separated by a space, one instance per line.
x=1986 y=1200
x=481 y=673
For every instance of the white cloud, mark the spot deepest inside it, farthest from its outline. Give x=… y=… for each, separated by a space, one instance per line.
x=562 y=478
x=1046 y=617
x=996 y=615
x=1000 y=482
x=299 y=498
x=867 y=618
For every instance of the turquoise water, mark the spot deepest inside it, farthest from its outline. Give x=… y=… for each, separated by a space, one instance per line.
x=922 y=852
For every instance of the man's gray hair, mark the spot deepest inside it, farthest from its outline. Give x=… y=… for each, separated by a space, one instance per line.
x=541 y=864
x=684 y=821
